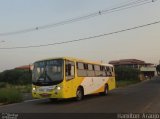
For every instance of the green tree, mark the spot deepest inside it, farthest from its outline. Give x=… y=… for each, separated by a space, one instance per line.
x=15 y=76
x=127 y=73
x=158 y=69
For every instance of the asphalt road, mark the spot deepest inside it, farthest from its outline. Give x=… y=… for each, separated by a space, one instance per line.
x=138 y=98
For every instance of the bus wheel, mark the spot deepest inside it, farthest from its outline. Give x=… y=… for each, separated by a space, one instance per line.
x=79 y=94
x=106 y=90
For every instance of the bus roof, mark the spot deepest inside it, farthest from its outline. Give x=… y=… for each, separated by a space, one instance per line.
x=77 y=59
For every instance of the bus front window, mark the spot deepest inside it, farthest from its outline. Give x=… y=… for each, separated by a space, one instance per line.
x=48 y=72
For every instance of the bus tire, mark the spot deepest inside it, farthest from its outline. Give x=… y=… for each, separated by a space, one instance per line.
x=79 y=94
x=106 y=90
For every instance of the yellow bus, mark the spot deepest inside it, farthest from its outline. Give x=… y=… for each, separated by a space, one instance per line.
x=65 y=77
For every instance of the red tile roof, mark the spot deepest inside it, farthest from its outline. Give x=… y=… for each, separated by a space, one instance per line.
x=25 y=67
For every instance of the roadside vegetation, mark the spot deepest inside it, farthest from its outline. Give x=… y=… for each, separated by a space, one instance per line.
x=124 y=83
x=158 y=69
x=126 y=76
x=16 y=77
x=10 y=95
x=13 y=83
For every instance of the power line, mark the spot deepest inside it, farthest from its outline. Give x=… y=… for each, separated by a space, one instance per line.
x=68 y=21
x=83 y=39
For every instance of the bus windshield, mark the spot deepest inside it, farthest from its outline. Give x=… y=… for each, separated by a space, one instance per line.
x=48 y=72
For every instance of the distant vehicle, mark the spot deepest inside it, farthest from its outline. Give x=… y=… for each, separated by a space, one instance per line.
x=69 y=77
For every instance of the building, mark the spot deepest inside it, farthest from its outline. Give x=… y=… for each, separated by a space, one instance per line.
x=25 y=67
x=133 y=63
x=147 y=69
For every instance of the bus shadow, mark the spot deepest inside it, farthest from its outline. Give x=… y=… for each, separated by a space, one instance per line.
x=71 y=100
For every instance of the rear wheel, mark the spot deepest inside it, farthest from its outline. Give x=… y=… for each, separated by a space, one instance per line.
x=106 y=90
x=79 y=94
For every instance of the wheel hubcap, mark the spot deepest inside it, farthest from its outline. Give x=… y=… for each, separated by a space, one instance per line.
x=106 y=91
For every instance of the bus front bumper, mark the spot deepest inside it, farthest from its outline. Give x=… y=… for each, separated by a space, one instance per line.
x=47 y=94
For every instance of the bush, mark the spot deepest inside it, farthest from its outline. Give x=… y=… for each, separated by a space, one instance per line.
x=10 y=95
x=2 y=84
x=158 y=69
x=127 y=73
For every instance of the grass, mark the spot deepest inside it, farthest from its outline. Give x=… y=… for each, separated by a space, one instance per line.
x=2 y=84
x=12 y=93
x=124 y=83
x=24 y=88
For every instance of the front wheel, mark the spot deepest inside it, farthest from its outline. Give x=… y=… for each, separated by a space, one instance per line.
x=106 y=90
x=79 y=94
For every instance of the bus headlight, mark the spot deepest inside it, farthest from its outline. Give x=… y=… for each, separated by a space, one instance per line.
x=34 y=89
x=58 y=88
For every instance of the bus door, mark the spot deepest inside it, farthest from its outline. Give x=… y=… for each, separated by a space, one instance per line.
x=69 y=77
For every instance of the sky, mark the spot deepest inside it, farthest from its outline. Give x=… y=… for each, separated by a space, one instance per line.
x=142 y=43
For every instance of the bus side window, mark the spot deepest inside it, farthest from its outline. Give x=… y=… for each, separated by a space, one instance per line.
x=70 y=68
x=81 y=69
x=103 y=71
x=112 y=71
x=90 y=71
x=97 y=70
x=108 y=71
